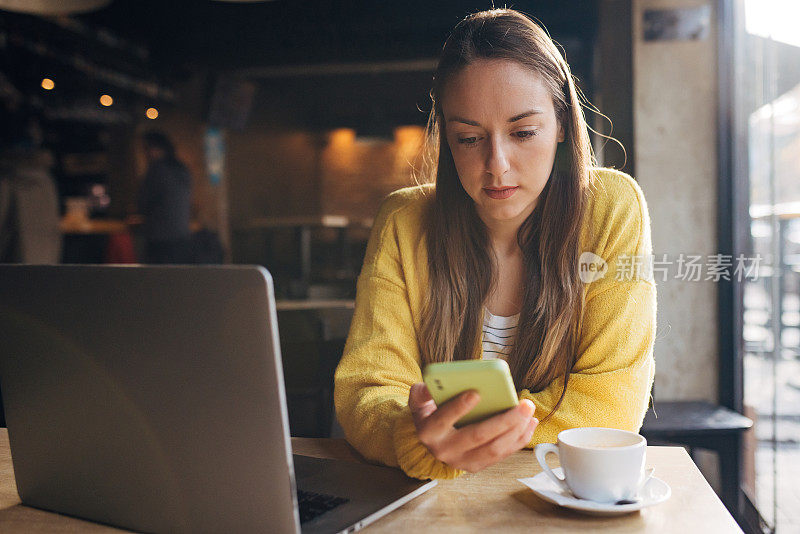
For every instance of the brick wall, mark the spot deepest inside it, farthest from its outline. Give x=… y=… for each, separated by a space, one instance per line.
x=357 y=174
x=301 y=173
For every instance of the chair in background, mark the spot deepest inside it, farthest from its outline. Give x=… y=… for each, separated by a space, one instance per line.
x=700 y=424
x=312 y=342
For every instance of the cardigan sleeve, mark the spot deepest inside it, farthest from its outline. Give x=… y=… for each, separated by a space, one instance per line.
x=610 y=383
x=381 y=362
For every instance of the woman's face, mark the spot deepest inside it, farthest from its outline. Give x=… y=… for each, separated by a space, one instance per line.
x=502 y=130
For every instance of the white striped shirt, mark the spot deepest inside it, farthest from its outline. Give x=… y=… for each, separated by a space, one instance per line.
x=499 y=334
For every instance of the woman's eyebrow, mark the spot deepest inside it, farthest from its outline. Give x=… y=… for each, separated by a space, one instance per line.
x=526 y=114
x=465 y=121
x=515 y=118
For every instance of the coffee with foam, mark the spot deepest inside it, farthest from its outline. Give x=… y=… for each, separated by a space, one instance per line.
x=599 y=464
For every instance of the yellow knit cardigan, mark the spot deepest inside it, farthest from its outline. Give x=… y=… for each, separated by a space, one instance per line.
x=609 y=385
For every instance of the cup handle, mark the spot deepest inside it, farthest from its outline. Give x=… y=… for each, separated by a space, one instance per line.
x=541 y=452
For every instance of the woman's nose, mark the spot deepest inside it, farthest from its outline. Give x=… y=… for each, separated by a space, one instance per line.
x=497 y=158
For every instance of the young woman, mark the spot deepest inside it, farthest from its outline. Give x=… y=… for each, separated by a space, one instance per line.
x=513 y=253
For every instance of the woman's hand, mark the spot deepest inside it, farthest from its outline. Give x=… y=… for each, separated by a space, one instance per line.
x=474 y=446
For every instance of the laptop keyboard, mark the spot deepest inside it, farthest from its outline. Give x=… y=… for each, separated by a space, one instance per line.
x=313 y=505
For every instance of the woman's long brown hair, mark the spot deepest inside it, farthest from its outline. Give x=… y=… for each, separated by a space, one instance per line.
x=460 y=262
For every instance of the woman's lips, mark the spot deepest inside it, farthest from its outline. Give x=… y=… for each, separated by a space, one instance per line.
x=499 y=193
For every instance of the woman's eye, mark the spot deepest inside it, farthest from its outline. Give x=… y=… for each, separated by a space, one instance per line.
x=525 y=134
x=468 y=140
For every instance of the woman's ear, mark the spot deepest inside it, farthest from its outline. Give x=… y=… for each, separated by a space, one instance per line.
x=560 y=132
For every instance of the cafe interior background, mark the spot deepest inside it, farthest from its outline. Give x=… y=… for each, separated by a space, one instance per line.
x=295 y=118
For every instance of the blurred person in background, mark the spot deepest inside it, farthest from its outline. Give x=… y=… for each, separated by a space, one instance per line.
x=29 y=212
x=165 y=203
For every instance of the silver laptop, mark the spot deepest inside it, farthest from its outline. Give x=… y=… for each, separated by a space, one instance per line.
x=152 y=398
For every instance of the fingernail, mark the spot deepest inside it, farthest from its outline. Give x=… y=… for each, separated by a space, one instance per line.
x=473 y=397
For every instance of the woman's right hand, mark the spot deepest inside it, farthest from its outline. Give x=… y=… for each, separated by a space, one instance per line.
x=472 y=447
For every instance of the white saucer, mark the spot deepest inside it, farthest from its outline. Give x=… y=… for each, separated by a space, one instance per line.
x=654 y=491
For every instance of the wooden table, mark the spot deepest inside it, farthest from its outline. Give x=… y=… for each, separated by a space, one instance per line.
x=489 y=501
x=315 y=304
x=92 y=226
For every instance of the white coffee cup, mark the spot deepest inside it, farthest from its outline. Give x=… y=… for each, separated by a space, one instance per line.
x=600 y=464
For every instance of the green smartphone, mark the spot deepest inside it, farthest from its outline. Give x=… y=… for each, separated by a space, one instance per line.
x=490 y=378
